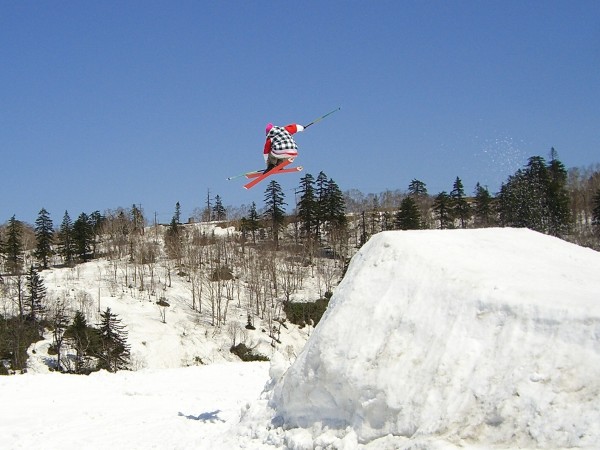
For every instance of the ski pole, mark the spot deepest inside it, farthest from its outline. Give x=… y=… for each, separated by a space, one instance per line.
x=322 y=117
x=243 y=174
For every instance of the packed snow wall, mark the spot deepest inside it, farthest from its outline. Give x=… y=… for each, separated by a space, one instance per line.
x=487 y=336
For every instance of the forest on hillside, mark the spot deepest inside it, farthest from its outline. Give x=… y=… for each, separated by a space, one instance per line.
x=262 y=260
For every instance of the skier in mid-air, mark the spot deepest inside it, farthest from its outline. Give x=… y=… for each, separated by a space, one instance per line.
x=280 y=144
x=279 y=152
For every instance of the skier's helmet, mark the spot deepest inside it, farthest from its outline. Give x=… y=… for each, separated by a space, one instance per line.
x=268 y=128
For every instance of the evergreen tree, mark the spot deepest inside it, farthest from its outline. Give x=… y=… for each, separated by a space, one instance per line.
x=536 y=198
x=510 y=200
x=219 y=212
x=83 y=236
x=320 y=195
x=558 y=197
x=177 y=216
x=307 y=206
x=174 y=236
x=417 y=188
x=333 y=208
x=66 y=243
x=408 y=216
x=274 y=212
x=418 y=191
x=442 y=210
x=175 y=226
x=44 y=235
x=81 y=337
x=13 y=248
x=137 y=219
x=96 y=222
x=253 y=221
x=460 y=207
x=113 y=353
x=37 y=294
x=536 y=208
x=483 y=207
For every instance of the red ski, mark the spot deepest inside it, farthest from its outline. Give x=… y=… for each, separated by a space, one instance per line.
x=258 y=173
x=281 y=168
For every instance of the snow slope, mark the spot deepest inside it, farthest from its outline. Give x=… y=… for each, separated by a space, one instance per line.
x=484 y=337
x=185 y=408
x=433 y=340
x=183 y=337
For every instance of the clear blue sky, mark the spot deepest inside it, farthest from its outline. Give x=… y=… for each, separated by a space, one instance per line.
x=105 y=104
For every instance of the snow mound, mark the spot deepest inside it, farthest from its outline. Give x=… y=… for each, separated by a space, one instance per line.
x=475 y=337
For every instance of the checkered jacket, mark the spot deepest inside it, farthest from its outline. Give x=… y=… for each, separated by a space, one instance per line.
x=280 y=142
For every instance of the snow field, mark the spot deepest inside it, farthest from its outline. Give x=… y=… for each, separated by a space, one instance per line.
x=480 y=339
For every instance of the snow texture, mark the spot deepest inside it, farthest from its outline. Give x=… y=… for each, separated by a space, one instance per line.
x=485 y=336
x=434 y=340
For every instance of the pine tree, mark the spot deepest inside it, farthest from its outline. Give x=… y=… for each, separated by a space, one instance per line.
x=96 y=222
x=175 y=225
x=66 y=243
x=333 y=209
x=321 y=187
x=558 y=197
x=307 y=206
x=177 y=216
x=483 y=207
x=137 y=219
x=113 y=353
x=80 y=336
x=83 y=236
x=442 y=209
x=510 y=200
x=535 y=202
x=13 y=248
x=174 y=235
x=253 y=221
x=219 y=212
x=37 y=294
x=417 y=188
x=274 y=212
x=459 y=205
x=536 y=197
x=44 y=235
x=418 y=191
x=408 y=216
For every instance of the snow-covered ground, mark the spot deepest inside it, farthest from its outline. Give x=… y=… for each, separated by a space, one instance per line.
x=171 y=337
x=433 y=340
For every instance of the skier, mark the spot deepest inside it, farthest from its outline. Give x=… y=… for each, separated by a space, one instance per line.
x=280 y=144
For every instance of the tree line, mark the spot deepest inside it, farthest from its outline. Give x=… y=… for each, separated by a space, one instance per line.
x=144 y=260
x=324 y=223
x=542 y=196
